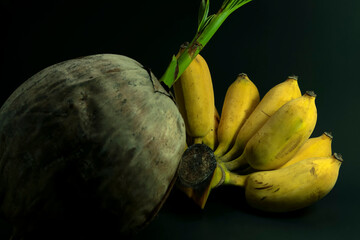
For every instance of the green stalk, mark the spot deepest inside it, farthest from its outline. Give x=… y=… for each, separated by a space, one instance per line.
x=207 y=27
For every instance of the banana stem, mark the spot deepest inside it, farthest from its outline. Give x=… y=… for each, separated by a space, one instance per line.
x=235 y=179
x=222 y=176
x=198 y=140
x=207 y=28
x=220 y=150
x=225 y=177
x=236 y=163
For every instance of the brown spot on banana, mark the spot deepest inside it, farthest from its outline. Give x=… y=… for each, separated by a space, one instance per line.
x=264 y=187
x=313 y=172
x=266 y=113
x=290 y=148
x=277 y=189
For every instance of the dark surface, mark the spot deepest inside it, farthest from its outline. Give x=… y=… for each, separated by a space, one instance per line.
x=268 y=40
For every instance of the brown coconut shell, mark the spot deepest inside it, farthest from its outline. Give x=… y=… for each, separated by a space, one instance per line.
x=90 y=145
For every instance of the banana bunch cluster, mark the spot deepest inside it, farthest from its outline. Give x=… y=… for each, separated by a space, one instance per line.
x=263 y=145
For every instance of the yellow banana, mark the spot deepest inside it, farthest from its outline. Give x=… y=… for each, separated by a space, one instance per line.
x=240 y=100
x=211 y=139
x=291 y=188
x=313 y=147
x=278 y=140
x=275 y=98
x=195 y=98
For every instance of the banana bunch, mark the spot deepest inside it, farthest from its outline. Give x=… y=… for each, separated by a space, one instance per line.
x=263 y=145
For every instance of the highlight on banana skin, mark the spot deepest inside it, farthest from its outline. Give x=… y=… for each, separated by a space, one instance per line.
x=263 y=145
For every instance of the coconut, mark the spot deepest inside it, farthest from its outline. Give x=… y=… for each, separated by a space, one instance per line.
x=88 y=146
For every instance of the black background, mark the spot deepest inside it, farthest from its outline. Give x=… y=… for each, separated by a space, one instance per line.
x=317 y=40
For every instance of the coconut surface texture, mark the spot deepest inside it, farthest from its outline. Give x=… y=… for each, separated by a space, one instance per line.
x=89 y=144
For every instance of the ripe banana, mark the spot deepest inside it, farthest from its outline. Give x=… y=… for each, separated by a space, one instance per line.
x=278 y=140
x=240 y=100
x=275 y=98
x=291 y=188
x=211 y=139
x=195 y=98
x=313 y=147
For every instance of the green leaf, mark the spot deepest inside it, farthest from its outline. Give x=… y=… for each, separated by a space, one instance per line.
x=203 y=14
x=232 y=5
x=225 y=3
x=208 y=25
x=171 y=72
x=208 y=19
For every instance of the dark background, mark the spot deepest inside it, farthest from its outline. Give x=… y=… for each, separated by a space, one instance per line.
x=317 y=40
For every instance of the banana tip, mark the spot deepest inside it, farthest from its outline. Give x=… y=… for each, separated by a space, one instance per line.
x=310 y=93
x=338 y=157
x=293 y=77
x=242 y=75
x=329 y=135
